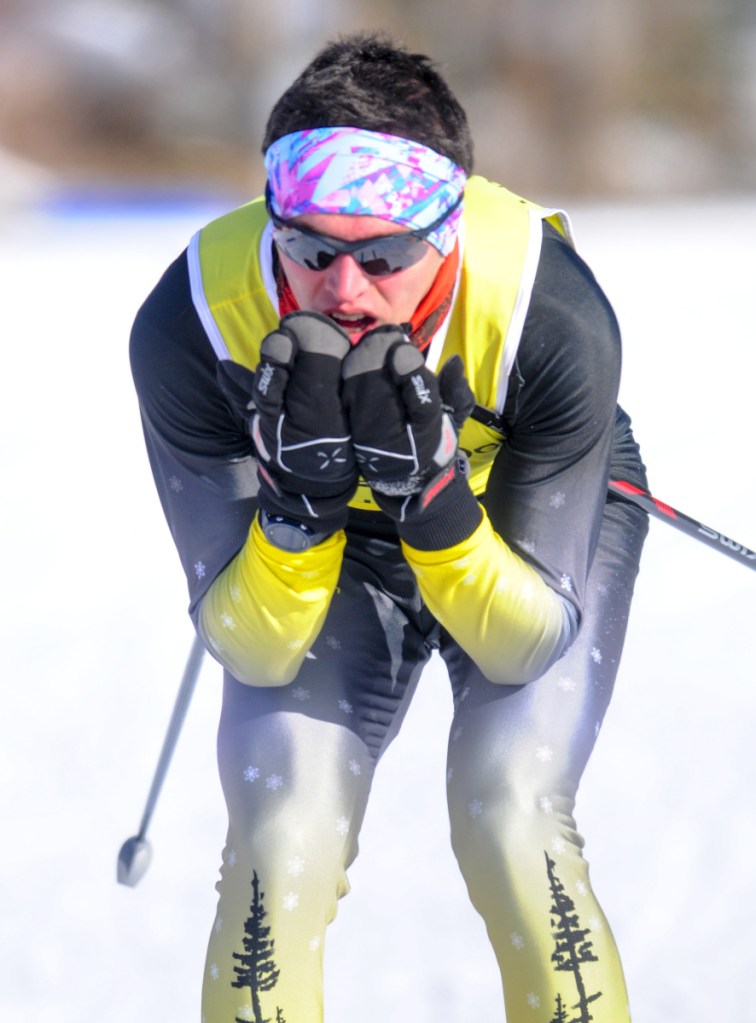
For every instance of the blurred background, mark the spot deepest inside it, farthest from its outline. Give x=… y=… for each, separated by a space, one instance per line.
x=124 y=126
x=567 y=97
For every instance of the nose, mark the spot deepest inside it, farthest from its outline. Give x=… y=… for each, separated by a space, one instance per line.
x=345 y=278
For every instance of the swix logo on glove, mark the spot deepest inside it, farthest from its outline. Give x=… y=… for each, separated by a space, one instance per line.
x=264 y=377
x=423 y=393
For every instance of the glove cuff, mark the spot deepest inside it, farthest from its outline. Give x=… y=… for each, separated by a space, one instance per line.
x=321 y=516
x=447 y=521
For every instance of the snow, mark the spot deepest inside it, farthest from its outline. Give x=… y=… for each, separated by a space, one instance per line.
x=95 y=639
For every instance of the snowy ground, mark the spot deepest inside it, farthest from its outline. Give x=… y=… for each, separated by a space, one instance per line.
x=95 y=639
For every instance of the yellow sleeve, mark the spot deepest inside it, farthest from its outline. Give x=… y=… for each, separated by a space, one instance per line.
x=266 y=608
x=492 y=603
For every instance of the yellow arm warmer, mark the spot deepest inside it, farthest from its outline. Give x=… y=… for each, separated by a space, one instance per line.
x=492 y=603
x=264 y=611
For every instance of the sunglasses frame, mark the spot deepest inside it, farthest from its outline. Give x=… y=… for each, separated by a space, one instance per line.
x=333 y=247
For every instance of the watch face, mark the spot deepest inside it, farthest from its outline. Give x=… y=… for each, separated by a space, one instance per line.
x=289 y=536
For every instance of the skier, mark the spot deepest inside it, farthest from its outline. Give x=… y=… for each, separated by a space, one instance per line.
x=380 y=405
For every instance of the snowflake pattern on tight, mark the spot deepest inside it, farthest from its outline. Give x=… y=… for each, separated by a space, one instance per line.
x=296 y=866
x=475 y=808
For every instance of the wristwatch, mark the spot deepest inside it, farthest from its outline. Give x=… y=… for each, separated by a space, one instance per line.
x=288 y=534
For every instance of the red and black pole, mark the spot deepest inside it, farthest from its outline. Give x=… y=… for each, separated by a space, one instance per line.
x=636 y=495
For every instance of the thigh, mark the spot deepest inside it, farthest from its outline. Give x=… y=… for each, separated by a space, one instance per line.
x=543 y=733
x=296 y=764
x=516 y=756
x=358 y=677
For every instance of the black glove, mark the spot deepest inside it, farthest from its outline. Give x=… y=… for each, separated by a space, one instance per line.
x=404 y=422
x=292 y=405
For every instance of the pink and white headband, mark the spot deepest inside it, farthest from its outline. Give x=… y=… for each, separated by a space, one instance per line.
x=368 y=173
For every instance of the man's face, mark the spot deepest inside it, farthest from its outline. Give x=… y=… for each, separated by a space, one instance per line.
x=343 y=291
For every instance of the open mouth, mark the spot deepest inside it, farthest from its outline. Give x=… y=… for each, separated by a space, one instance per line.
x=353 y=324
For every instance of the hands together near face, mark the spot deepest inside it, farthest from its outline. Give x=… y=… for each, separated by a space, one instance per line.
x=320 y=412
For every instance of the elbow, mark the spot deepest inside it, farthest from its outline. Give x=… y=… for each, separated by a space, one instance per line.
x=263 y=669
x=268 y=680
x=528 y=661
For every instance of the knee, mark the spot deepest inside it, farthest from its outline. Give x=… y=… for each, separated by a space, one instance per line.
x=506 y=818
x=274 y=805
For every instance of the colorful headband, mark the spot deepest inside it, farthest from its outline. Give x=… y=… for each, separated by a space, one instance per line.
x=368 y=173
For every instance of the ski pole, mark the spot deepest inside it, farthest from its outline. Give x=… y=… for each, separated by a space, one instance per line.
x=135 y=854
x=636 y=495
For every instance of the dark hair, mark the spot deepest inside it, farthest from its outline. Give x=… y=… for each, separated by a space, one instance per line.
x=365 y=80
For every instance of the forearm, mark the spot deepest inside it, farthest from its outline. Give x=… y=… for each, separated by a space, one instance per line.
x=265 y=609
x=495 y=605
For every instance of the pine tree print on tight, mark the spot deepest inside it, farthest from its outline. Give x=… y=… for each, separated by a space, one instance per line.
x=560 y=1015
x=257 y=971
x=572 y=948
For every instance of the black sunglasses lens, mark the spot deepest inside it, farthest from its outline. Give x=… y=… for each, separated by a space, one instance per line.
x=390 y=255
x=303 y=249
x=317 y=258
x=377 y=267
x=377 y=257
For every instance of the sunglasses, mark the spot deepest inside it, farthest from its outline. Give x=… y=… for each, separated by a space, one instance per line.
x=378 y=257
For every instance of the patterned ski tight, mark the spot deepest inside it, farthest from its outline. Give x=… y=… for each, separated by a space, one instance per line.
x=296 y=765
